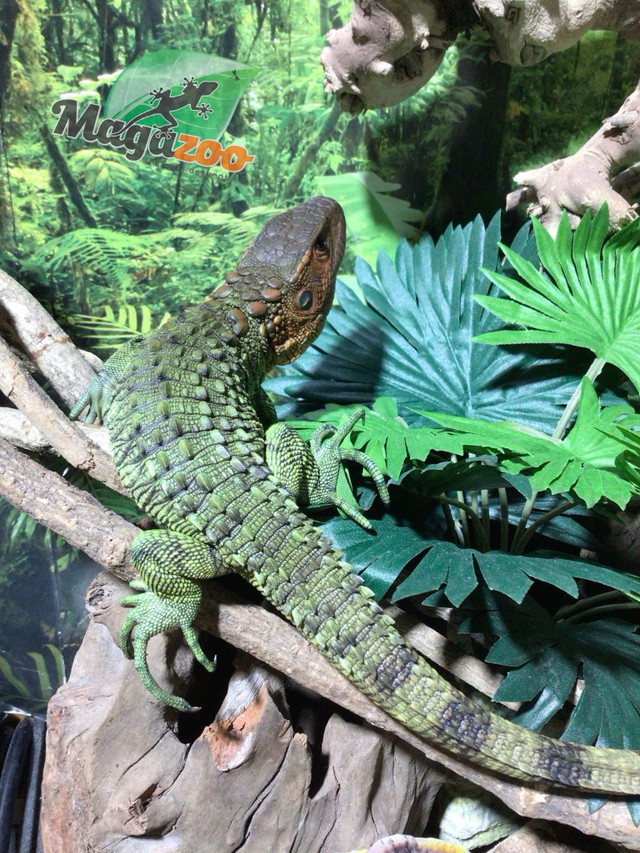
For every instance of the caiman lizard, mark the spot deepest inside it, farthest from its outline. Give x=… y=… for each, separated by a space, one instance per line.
x=195 y=442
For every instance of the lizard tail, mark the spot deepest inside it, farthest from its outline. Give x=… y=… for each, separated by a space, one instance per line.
x=323 y=597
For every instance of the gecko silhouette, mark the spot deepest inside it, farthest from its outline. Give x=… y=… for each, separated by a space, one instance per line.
x=191 y=93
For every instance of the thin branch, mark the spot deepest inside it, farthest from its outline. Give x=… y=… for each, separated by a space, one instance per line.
x=63 y=435
x=71 y=513
x=504 y=519
x=570 y=610
x=25 y=323
x=540 y=522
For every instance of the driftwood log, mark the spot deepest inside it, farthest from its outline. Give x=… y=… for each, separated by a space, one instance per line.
x=120 y=771
x=390 y=49
x=119 y=774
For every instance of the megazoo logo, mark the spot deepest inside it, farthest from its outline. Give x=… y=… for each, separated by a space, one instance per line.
x=148 y=112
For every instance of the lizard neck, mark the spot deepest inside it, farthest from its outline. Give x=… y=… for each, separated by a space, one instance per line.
x=226 y=317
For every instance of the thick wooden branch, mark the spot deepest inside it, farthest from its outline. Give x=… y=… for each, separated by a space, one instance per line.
x=584 y=180
x=71 y=513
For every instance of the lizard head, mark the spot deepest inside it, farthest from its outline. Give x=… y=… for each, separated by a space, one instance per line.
x=286 y=278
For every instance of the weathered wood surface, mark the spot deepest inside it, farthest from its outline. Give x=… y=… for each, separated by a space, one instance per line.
x=119 y=778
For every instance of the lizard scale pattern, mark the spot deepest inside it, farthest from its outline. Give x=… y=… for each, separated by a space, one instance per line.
x=188 y=418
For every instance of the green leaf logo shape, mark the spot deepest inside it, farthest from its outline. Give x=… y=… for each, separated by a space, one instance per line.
x=131 y=94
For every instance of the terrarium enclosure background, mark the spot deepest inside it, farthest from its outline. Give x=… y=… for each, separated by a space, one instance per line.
x=155 y=235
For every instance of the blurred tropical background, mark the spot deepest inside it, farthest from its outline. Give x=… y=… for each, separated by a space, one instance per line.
x=111 y=247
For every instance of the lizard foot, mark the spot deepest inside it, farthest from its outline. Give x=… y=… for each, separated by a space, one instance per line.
x=310 y=471
x=100 y=392
x=94 y=398
x=329 y=455
x=153 y=615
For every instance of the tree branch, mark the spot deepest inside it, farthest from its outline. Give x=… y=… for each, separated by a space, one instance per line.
x=26 y=324
x=63 y=435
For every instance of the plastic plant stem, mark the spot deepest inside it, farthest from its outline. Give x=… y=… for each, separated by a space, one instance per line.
x=504 y=519
x=605 y=608
x=475 y=518
x=539 y=522
x=570 y=409
x=570 y=610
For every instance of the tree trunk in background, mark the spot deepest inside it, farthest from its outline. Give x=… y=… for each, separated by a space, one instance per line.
x=329 y=16
x=53 y=33
x=473 y=181
x=9 y=11
x=152 y=12
x=107 y=19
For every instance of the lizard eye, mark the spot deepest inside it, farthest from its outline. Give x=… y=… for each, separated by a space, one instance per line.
x=305 y=299
x=320 y=247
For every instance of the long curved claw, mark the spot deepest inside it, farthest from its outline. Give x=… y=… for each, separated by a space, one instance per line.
x=366 y=462
x=151 y=615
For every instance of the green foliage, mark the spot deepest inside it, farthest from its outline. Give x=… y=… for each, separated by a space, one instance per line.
x=40 y=679
x=111 y=331
x=583 y=464
x=589 y=296
x=42 y=583
x=402 y=562
x=97 y=252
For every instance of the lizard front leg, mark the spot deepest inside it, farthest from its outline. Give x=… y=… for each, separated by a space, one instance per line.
x=172 y=567
x=310 y=471
x=99 y=394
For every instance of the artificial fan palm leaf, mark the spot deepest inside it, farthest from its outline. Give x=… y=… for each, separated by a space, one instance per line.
x=411 y=561
x=585 y=463
x=588 y=296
